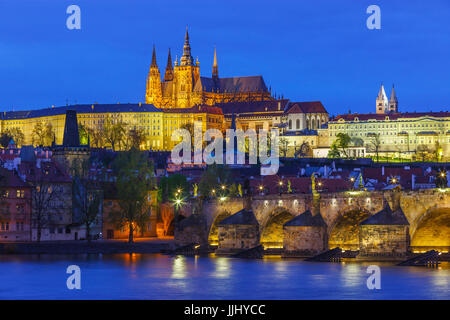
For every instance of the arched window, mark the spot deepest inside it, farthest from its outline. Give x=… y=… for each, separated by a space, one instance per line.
x=297 y=124
x=290 y=124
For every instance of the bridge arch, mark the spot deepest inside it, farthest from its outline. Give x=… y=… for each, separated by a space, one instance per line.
x=213 y=234
x=344 y=232
x=432 y=230
x=271 y=227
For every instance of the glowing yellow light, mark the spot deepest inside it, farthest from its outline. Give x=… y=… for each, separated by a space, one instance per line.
x=223 y=198
x=178 y=201
x=261 y=187
x=197 y=246
x=213 y=191
x=223 y=187
x=352 y=179
x=281 y=183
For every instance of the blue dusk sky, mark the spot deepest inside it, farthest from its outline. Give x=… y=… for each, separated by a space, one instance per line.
x=305 y=50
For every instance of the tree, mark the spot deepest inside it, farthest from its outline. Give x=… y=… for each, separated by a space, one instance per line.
x=134 y=180
x=96 y=137
x=86 y=198
x=334 y=152
x=438 y=151
x=374 y=145
x=190 y=128
x=83 y=133
x=114 y=132
x=283 y=146
x=5 y=138
x=43 y=197
x=42 y=135
x=174 y=184
x=17 y=135
x=38 y=135
x=214 y=177
x=303 y=151
x=357 y=142
x=167 y=216
x=342 y=143
x=423 y=151
x=135 y=138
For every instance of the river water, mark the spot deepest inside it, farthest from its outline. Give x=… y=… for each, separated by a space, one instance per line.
x=155 y=276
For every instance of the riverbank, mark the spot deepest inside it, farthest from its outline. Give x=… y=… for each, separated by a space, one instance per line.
x=148 y=245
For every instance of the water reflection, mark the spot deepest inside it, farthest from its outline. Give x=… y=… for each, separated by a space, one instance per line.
x=352 y=275
x=154 y=276
x=222 y=267
x=179 y=267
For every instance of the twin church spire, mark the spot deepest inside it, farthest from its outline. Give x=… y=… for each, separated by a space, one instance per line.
x=383 y=104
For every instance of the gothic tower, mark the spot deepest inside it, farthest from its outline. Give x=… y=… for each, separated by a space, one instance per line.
x=154 y=93
x=382 y=101
x=186 y=75
x=215 y=71
x=393 y=101
x=168 y=76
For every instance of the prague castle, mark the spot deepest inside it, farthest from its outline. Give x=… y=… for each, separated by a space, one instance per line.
x=183 y=96
x=184 y=87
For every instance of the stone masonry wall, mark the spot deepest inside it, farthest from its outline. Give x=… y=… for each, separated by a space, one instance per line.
x=304 y=240
x=238 y=236
x=383 y=240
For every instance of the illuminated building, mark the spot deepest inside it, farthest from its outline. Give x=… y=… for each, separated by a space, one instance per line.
x=184 y=87
x=157 y=124
x=406 y=134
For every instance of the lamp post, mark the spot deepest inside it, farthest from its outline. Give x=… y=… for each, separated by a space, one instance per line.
x=352 y=180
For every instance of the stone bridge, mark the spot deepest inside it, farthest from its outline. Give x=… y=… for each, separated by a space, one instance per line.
x=427 y=211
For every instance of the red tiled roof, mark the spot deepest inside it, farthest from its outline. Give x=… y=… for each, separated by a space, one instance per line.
x=10 y=179
x=299 y=184
x=309 y=106
x=392 y=116
x=240 y=107
x=333 y=185
x=195 y=109
x=50 y=171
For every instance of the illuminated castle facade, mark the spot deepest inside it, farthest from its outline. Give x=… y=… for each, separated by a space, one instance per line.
x=184 y=87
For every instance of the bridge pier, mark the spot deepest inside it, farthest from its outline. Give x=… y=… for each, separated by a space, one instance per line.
x=427 y=213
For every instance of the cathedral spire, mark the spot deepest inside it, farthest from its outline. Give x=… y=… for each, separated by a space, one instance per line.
x=382 y=101
x=393 y=97
x=186 y=58
x=154 y=64
x=382 y=93
x=393 y=101
x=215 y=71
x=168 y=76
